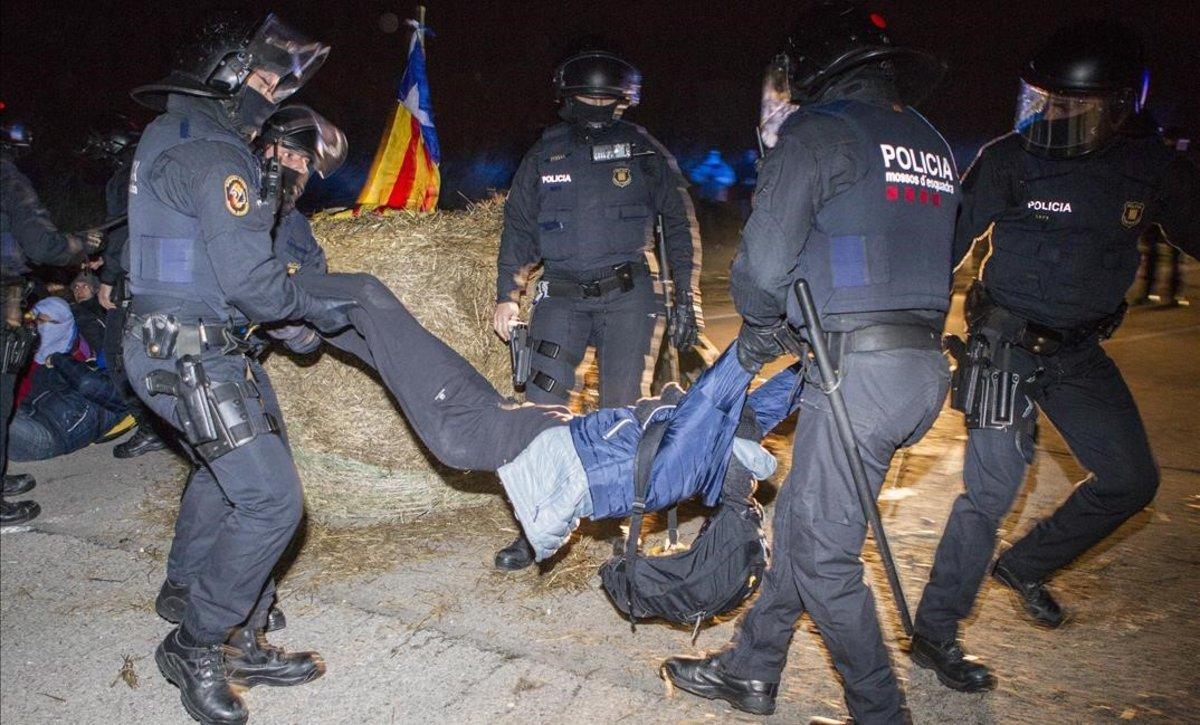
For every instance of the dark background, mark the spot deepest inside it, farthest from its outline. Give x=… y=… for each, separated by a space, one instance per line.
x=63 y=63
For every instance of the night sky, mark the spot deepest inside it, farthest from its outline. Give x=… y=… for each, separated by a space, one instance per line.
x=490 y=65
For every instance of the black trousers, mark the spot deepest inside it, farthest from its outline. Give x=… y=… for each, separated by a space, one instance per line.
x=1083 y=394
x=238 y=513
x=819 y=529
x=624 y=327
x=8 y=394
x=114 y=336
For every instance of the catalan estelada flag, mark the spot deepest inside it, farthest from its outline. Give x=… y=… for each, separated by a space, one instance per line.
x=404 y=174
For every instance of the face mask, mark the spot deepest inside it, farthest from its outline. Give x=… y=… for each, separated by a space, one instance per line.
x=292 y=182
x=588 y=116
x=251 y=110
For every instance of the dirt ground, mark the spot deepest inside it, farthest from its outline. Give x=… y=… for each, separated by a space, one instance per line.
x=416 y=627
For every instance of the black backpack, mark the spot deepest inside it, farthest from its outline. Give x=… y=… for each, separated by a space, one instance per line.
x=722 y=568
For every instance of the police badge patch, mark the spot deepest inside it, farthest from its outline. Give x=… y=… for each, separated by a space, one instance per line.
x=622 y=176
x=237 y=199
x=1132 y=213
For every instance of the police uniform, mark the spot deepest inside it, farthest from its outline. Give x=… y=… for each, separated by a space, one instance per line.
x=29 y=237
x=200 y=253
x=1063 y=235
x=590 y=224
x=859 y=198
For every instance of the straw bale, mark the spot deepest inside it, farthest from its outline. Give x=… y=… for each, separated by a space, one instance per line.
x=356 y=454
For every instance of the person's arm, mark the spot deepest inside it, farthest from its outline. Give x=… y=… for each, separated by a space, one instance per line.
x=985 y=190
x=94 y=385
x=30 y=223
x=212 y=182
x=1180 y=207
x=785 y=202
x=518 y=241
x=681 y=234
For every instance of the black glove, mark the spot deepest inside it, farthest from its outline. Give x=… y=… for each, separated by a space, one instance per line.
x=686 y=321
x=760 y=344
x=330 y=314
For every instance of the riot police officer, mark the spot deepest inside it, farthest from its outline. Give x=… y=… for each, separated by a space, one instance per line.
x=112 y=142
x=858 y=195
x=584 y=204
x=29 y=237
x=294 y=143
x=202 y=270
x=1062 y=201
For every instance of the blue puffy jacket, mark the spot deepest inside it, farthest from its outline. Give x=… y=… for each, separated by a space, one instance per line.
x=77 y=403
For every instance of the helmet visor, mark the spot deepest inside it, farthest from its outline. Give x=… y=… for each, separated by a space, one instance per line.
x=304 y=130
x=1068 y=124
x=776 y=103
x=286 y=52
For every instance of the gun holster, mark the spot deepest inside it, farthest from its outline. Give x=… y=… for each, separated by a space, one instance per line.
x=520 y=354
x=987 y=393
x=216 y=417
x=16 y=346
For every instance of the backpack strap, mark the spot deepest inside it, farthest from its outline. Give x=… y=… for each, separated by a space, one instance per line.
x=643 y=463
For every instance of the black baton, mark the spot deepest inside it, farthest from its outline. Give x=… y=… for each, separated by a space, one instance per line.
x=816 y=338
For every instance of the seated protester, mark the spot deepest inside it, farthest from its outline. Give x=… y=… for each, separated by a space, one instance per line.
x=70 y=403
x=89 y=314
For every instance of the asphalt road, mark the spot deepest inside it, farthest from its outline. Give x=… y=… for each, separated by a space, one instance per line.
x=433 y=635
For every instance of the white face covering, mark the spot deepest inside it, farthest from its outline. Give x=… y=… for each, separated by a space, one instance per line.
x=776 y=104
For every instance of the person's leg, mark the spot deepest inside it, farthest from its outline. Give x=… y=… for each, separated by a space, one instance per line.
x=456 y=412
x=29 y=440
x=558 y=330
x=627 y=331
x=202 y=509
x=1092 y=408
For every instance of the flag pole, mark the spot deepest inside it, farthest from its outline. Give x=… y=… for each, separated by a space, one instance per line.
x=421 y=26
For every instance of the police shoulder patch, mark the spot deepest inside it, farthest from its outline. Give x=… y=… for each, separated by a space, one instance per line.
x=237 y=198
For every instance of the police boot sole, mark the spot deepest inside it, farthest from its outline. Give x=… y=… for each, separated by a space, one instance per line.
x=959 y=685
x=167 y=665
x=262 y=678
x=754 y=706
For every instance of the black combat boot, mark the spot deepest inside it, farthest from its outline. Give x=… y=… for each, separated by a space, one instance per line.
x=703 y=676
x=200 y=673
x=954 y=668
x=515 y=556
x=254 y=661
x=14 y=513
x=143 y=440
x=16 y=484
x=172 y=601
x=1034 y=596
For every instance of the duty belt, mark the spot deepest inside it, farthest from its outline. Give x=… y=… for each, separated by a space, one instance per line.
x=165 y=336
x=620 y=279
x=1031 y=336
x=878 y=338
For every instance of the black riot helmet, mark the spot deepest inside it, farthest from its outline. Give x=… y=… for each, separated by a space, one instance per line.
x=302 y=129
x=834 y=37
x=111 y=138
x=598 y=73
x=226 y=51
x=1080 y=88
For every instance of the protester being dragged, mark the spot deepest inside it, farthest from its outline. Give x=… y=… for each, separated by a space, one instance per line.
x=70 y=403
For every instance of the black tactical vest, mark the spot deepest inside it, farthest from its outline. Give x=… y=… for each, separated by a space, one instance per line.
x=1065 y=250
x=884 y=243
x=169 y=266
x=593 y=214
